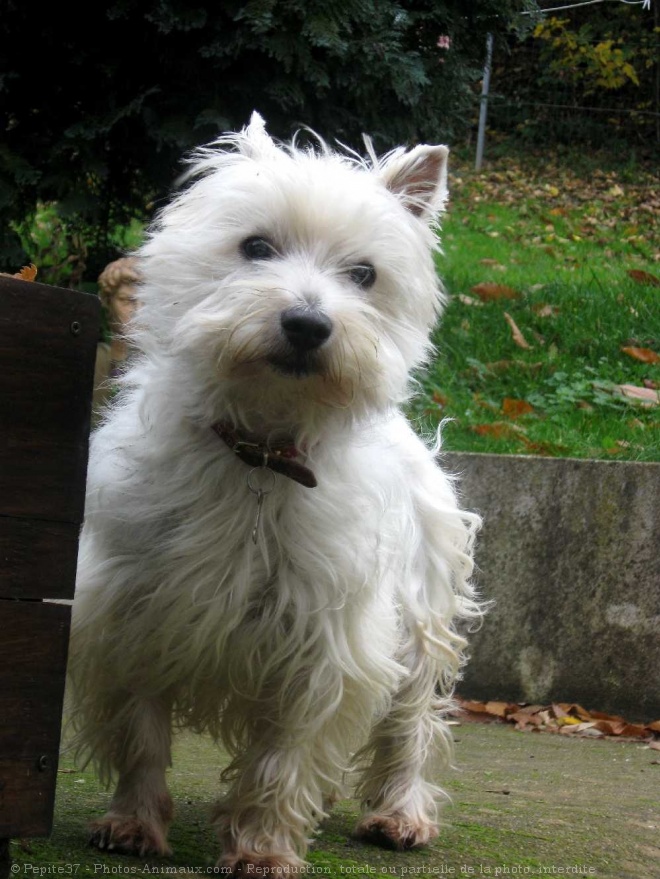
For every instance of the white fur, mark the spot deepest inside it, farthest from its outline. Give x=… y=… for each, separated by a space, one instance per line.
x=331 y=643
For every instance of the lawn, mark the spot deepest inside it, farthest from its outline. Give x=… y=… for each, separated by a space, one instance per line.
x=549 y=343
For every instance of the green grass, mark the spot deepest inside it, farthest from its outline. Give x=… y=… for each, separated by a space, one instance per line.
x=564 y=247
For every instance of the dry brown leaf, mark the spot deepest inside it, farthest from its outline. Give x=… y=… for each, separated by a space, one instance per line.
x=517 y=336
x=27 y=273
x=577 y=710
x=498 y=430
x=472 y=705
x=584 y=729
x=546 y=449
x=643 y=277
x=646 y=355
x=529 y=709
x=488 y=291
x=515 y=408
x=499 y=709
x=602 y=715
x=646 y=396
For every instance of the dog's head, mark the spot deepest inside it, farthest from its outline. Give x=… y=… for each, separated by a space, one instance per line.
x=289 y=282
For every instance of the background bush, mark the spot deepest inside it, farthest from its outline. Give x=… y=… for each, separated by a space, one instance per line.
x=98 y=126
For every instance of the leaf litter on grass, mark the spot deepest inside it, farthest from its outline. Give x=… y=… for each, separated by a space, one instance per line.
x=561 y=317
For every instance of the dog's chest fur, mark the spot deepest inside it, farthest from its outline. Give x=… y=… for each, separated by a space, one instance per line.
x=322 y=576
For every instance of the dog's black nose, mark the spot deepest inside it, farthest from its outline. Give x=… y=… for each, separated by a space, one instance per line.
x=306 y=328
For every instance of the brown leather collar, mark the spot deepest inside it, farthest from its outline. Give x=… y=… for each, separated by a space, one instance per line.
x=280 y=457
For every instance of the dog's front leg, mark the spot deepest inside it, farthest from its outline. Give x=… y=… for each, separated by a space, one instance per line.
x=399 y=799
x=141 y=809
x=266 y=818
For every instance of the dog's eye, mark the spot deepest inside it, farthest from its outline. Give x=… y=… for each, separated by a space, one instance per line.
x=363 y=275
x=258 y=248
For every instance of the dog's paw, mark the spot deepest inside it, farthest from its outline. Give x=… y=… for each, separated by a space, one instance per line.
x=270 y=866
x=395 y=831
x=128 y=835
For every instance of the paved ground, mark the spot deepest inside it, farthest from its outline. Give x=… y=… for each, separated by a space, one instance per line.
x=523 y=804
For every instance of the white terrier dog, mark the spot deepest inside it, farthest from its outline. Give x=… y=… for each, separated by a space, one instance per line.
x=270 y=553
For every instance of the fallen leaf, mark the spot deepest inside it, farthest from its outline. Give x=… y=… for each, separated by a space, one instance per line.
x=515 y=408
x=585 y=729
x=543 y=448
x=517 y=336
x=488 y=291
x=646 y=396
x=643 y=277
x=27 y=273
x=498 y=430
x=499 y=709
x=576 y=710
x=472 y=705
x=529 y=709
x=645 y=355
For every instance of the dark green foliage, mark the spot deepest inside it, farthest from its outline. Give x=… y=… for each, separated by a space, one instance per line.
x=586 y=75
x=97 y=112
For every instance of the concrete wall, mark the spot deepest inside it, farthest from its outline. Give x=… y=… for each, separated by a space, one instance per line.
x=570 y=552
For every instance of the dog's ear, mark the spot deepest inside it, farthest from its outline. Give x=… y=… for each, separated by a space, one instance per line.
x=255 y=140
x=418 y=178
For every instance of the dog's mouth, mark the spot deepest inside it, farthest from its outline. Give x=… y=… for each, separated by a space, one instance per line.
x=299 y=364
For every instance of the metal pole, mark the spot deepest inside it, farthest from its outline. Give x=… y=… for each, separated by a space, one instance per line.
x=483 y=110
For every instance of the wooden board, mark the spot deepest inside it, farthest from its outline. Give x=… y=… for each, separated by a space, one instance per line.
x=48 y=339
x=33 y=653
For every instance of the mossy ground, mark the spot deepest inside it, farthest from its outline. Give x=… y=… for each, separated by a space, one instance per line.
x=521 y=804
